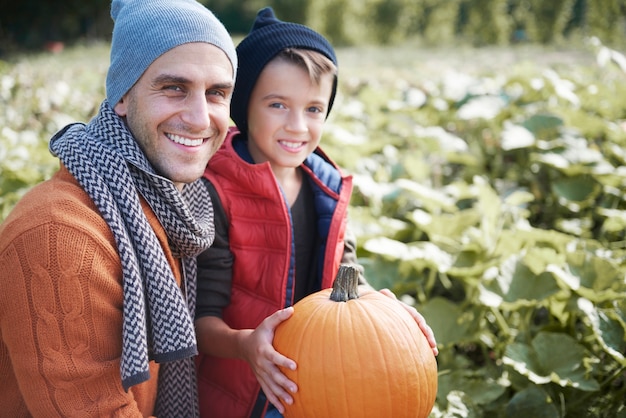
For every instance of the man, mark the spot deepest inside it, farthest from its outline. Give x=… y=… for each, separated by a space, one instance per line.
x=97 y=264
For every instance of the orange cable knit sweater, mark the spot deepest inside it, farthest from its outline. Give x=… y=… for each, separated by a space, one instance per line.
x=61 y=309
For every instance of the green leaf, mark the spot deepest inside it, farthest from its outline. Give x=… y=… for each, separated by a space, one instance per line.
x=580 y=189
x=531 y=402
x=380 y=274
x=551 y=357
x=483 y=107
x=595 y=278
x=608 y=328
x=445 y=228
x=460 y=405
x=543 y=125
x=448 y=321
x=428 y=197
x=429 y=254
x=615 y=219
x=480 y=388
x=516 y=137
x=519 y=198
x=538 y=258
x=573 y=156
x=516 y=285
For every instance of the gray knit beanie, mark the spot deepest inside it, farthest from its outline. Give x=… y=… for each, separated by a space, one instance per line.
x=266 y=39
x=145 y=29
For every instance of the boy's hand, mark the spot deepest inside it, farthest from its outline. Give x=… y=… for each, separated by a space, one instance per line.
x=264 y=360
x=421 y=322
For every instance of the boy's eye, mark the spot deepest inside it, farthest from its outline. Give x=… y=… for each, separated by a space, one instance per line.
x=277 y=105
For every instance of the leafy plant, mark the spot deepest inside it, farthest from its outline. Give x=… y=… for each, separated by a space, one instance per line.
x=40 y=94
x=506 y=229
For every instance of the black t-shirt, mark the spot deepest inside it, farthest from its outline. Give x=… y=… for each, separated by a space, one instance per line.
x=306 y=241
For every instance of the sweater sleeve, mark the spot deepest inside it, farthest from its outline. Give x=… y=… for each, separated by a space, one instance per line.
x=61 y=316
x=215 y=265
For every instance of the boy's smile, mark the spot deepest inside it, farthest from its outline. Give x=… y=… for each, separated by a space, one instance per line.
x=286 y=115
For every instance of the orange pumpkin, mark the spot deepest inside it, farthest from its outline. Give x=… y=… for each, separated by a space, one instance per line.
x=357 y=355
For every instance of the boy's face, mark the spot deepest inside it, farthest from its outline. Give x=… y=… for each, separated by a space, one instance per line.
x=286 y=114
x=179 y=110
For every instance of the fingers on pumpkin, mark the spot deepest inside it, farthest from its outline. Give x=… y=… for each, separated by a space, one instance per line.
x=282 y=361
x=388 y=293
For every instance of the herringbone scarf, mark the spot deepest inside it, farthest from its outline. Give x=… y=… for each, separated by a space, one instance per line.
x=158 y=322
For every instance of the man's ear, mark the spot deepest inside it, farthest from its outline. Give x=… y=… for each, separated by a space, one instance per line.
x=121 y=108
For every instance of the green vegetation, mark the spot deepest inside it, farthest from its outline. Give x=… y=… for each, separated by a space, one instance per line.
x=489 y=192
x=34 y=23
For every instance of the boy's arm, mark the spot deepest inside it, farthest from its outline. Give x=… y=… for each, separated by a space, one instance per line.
x=349 y=255
x=255 y=347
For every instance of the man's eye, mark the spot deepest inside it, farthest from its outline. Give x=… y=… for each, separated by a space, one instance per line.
x=219 y=93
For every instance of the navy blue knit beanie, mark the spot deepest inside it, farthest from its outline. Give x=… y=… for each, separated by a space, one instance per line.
x=145 y=29
x=266 y=39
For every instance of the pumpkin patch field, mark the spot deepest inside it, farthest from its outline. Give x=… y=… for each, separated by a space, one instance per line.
x=490 y=193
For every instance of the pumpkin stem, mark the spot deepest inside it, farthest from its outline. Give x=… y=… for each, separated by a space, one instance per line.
x=346 y=284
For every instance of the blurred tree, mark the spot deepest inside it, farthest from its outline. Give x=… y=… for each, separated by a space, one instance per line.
x=31 y=24
x=440 y=17
x=237 y=16
x=335 y=20
x=578 y=20
x=605 y=20
x=391 y=20
x=488 y=22
x=291 y=10
x=548 y=20
x=519 y=12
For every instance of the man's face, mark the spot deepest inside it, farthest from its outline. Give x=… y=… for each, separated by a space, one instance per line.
x=178 y=111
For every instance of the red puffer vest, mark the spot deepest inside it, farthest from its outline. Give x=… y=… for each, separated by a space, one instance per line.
x=260 y=233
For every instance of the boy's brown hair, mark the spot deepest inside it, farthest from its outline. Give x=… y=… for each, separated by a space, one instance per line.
x=312 y=62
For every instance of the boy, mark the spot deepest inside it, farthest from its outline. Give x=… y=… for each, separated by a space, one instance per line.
x=280 y=215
